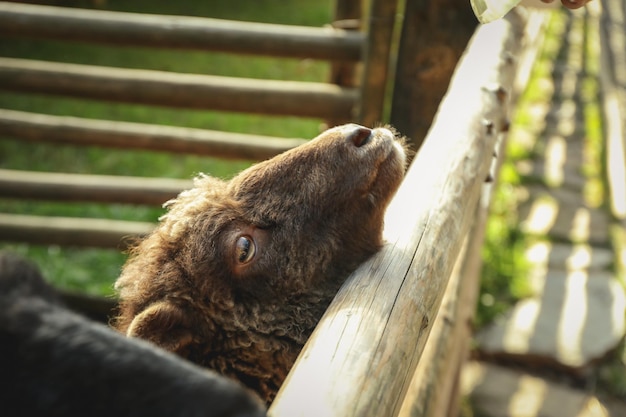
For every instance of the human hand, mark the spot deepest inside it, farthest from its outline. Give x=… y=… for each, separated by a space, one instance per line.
x=570 y=4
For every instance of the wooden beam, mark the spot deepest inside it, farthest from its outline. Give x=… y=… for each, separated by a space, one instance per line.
x=124 y=135
x=68 y=231
x=89 y=188
x=434 y=36
x=434 y=389
x=380 y=27
x=134 y=29
x=362 y=355
x=290 y=98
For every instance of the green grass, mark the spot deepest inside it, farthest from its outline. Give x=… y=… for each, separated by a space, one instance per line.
x=93 y=270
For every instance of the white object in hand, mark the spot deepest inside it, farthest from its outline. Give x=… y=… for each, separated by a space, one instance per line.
x=489 y=10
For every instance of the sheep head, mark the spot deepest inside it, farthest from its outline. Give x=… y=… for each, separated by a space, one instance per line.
x=238 y=273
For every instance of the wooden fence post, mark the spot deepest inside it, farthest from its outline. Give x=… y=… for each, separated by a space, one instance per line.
x=382 y=16
x=348 y=16
x=434 y=35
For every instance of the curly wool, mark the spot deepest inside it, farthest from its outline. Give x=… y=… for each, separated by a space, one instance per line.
x=306 y=219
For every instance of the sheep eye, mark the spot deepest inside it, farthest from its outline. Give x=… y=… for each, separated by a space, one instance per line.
x=245 y=249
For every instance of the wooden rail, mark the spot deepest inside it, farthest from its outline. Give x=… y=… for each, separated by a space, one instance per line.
x=71 y=231
x=124 y=135
x=169 y=89
x=434 y=389
x=363 y=354
x=134 y=29
x=86 y=232
x=89 y=188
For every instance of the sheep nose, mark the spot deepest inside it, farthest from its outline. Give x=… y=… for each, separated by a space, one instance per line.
x=360 y=136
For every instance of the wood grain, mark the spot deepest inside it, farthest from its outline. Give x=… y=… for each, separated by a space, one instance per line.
x=434 y=389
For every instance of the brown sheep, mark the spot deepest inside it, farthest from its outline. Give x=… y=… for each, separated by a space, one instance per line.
x=238 y=273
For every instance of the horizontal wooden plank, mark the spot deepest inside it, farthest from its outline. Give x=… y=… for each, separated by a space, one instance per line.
x=289 y=98
x=133 y=29
x=68 y=231
x=364 y=351
x=434 y=388
x=80 y=131
x=89 y=188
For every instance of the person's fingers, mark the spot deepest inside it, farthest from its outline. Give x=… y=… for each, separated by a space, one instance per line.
x=573 y=4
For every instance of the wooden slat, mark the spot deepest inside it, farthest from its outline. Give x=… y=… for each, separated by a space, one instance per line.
x=363 y=353
x=79 y=131
x=128 y=29
x=67 y=231
x=89 y=188
x=291 y=98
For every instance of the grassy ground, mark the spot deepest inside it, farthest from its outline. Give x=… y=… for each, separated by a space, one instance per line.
x=95 y=270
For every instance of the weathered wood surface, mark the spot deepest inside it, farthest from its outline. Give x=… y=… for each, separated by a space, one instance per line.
x=70 y=231
x=178 y=90
x=434 y=387
x=124 y=135
x=134 y=29
x=362 y=356
x=89 y=188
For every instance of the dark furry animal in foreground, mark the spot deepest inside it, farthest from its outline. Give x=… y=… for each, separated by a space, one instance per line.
x=239 y=272
x=57 y=363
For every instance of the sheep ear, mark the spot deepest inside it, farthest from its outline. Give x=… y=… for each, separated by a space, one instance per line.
x=164 y=324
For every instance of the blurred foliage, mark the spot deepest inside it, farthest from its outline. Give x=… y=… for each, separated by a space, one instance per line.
x=505 y=267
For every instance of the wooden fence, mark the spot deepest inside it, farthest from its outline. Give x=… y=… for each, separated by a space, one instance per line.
x=354 y=100
x=393 y=340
